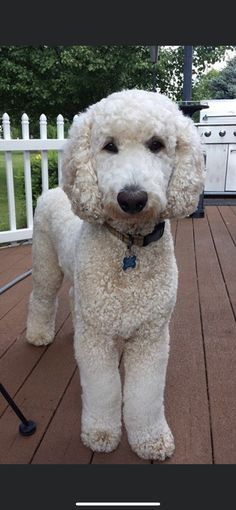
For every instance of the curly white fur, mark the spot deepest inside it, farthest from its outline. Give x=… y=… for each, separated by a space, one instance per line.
x=107 y=301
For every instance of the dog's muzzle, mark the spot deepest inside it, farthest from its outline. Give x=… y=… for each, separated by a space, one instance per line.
x=132 y=200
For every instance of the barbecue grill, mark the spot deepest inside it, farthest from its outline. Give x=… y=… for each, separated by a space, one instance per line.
x=217 y=129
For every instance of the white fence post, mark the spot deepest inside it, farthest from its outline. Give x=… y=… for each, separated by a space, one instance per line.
x=27 y=172
x=9 y=174
x=60 y=136
x=44 y=155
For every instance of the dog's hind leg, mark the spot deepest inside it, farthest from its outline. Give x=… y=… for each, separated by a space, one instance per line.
x=47 y=279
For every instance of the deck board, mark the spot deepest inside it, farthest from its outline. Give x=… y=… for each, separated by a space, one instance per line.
x=229 y=218
x=219 y=332
x=201 y=376
x=39 y=397
x=14 y=296
x=18 y=267
x=13 y=324
x=61 y=443
x=15 y=373
x=225 y=249
x=186 y=399
x=12 y=255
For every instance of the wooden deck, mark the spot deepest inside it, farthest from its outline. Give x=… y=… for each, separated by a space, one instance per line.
x=201 y=379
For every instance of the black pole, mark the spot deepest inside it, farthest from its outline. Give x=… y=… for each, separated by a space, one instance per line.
x=154 y=57
x=188 y=61
x=27 y=427
x=154 y=78
x=189 y=107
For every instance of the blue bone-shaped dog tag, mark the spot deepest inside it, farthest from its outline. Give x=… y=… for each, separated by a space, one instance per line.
x=129 y=262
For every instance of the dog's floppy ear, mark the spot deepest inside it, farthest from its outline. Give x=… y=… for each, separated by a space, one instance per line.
x=187 y=180
x=79 y=179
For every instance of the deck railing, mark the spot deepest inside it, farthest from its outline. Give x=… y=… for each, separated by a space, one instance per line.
x=27 y=145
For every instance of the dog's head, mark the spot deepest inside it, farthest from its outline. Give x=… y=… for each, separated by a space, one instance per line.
x=133 y=158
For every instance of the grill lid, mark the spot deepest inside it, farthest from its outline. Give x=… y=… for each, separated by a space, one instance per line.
x=220 y=111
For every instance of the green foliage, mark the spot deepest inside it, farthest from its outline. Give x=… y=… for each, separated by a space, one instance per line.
x=66 y=79
x=36 y=175
x=20 y=187
x=223 y=86
x=18 y=174
x=52 y=131
x=170 y=66
x=202 y=87
x=15 y=132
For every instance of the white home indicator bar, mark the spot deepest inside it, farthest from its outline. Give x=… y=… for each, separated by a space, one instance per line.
x=118 y=504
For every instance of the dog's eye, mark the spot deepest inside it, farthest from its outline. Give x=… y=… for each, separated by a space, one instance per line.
x=110 y=147
x=155 y=145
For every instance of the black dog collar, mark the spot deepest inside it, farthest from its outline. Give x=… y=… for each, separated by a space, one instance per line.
x=139 y=240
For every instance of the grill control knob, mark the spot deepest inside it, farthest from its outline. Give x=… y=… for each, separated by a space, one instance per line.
x=234 y=133
x=222 y=133
x=207 y=133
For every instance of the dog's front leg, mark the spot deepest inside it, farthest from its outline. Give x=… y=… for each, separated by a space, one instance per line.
x=97 y=358
x=146 y=357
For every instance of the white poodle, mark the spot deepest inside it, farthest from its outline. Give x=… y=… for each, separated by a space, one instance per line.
x=132 y=161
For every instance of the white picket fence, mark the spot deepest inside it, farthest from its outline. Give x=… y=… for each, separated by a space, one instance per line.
x=27 y=145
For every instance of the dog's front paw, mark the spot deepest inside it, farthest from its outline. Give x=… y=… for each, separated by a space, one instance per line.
x=155 y=448
x=39 y=340
x=39 y=337
x=101 y=440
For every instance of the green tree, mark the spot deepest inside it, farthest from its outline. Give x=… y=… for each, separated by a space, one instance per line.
x=202 y=87
x=171 y=66
x=66 y=79
x=223 y=86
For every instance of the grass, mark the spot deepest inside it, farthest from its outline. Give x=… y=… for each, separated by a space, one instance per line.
x=18 y=174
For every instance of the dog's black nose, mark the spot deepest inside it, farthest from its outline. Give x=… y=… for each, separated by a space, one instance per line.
x=132 y=200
